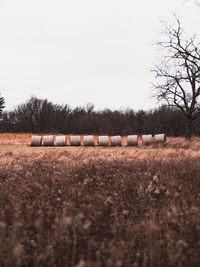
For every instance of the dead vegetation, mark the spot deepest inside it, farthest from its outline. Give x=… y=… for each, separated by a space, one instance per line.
x=100 y=207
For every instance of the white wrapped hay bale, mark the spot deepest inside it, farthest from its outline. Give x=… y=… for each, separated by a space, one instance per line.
x=132 y=140
x=160 y=138
x=61 y=140
x=116 y=140
x=103 y=140
x=48 y=140
x=146 y=139
x=75 y=140
x=36 y=140
x=88 y=140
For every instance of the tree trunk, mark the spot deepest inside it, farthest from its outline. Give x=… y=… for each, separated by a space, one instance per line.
x=188 y=129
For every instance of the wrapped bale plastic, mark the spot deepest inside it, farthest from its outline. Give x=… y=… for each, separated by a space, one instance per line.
x=132 y=140
x=48 y=140
x=103 y=140
x=36 y=140
x=116 y=140
x=160 y=138
x=88 y=140
x=60 y=140
x=75 y=140
x=146 y=139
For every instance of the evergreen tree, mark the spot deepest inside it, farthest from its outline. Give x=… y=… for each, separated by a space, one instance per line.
x=2 y=105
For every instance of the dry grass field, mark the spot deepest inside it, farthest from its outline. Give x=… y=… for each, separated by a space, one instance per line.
x=94 y=206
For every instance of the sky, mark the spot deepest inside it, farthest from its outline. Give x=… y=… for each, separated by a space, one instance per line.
x=84 y=51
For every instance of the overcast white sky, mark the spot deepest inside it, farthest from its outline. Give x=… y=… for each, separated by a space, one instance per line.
x=79 y=51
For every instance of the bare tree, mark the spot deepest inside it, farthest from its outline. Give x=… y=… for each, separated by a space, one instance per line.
x=89 y=108
x=178 y=73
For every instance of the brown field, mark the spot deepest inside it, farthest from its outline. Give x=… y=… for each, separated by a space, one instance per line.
x=94 y=206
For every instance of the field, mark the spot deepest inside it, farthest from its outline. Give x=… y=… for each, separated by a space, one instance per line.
x=94 y=206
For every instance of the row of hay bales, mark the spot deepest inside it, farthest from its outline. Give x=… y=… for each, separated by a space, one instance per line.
x=132 y=140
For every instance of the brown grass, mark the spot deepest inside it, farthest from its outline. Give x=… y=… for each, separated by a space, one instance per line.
x=126 y=206
x=172 y=142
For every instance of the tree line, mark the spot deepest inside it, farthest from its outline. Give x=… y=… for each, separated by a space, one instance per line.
x=42 y=116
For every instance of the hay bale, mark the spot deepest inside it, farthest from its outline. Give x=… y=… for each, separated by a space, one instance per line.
x=48 y=140
x=60 y=140
x=132 y=140
x=36 y=140
x=103 y=141
x=88 y=140
x=160 y=138
x=75 y=140
x=116 y=140
x=146 y=139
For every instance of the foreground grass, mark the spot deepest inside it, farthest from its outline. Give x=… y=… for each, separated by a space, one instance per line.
x=64 y=210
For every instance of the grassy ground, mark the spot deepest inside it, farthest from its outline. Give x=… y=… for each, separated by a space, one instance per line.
x=126 y=206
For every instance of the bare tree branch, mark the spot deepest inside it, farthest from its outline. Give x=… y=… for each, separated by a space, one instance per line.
x=197 y=2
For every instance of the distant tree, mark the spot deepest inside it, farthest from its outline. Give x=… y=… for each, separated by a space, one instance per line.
x=2 y=106
x=89 y=108
x=39 y=115
x=141 y=118
x=178 y=73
